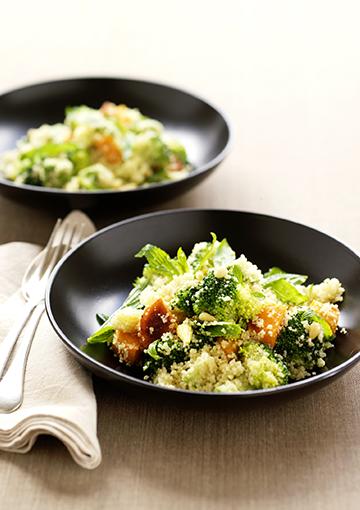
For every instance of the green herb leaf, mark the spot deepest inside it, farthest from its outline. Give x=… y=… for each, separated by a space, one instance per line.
x=182 y=260
x=161 y=263
x=283 y=285
x=101 y=318
x=50 y=150
x=218 y=329
x=102 y=335
x=275 y=273
x=204 y=254
x=133 y=299
x=224 y=254
x=106 y=332
x=324 y=325
x=237 y=273
x=286 y=292
x=152 y=350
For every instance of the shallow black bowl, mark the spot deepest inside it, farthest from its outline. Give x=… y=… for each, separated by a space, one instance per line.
x=97 y=276
x=201 y=127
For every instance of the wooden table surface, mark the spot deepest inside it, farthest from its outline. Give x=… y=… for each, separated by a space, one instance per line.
x=288 y=75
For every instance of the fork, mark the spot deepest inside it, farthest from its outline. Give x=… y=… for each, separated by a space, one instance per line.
x=12 y=371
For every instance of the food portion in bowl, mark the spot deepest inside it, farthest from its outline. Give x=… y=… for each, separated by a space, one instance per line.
x=213 y=322
x=113 y=147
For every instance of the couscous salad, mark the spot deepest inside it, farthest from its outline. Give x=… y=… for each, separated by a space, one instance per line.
x=212 y=321
x=113 y=147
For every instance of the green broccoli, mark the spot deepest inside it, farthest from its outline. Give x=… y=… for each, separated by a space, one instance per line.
x=170 y=349
x=163 y=353
x=184 y=300
x=159 y=175
x=153 y=149
x=30 y=177
x=223 y=298
x=263 y=367
x=80 y=159
x=301 y=353
x=249 y=305
x=177 y=150
x=216 y=296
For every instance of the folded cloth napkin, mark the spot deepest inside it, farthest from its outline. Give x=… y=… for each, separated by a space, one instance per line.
x=59 y=398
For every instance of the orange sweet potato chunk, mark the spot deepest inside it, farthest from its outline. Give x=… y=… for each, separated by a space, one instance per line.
x=268 y=324
x=128 y=347
x=229 y=347
x=155 y=321
x=106 y=149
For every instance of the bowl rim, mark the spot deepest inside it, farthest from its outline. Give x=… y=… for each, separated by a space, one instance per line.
x=329 y=374
x=198 y=170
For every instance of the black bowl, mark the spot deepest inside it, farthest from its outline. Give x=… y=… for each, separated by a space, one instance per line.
x=201 y=127
x=97 y=276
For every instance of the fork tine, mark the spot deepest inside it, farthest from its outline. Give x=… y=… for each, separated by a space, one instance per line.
x=70 y=233
x=72 y=237
x=58 y=251
x=65 y=241
x=78 y=234
x=48 y=247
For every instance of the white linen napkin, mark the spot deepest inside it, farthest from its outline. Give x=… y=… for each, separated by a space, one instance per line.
x=59 y=398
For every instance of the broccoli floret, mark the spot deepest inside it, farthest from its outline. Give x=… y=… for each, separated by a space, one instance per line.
x=80 y=159
x=159 y=175
x=170 y=349
x=177 y=150
x=303 y=353
x=184 y=301
x=200 y=339
x=263 y=367
x=152 y=149
x=223 y=298
x=248 y=304
x=29 y=177
x=218 y=297
x=163 y=353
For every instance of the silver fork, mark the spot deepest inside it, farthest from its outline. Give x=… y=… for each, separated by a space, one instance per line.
x=12 y=371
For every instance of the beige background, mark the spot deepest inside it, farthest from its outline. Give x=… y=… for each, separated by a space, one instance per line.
x=288 y=75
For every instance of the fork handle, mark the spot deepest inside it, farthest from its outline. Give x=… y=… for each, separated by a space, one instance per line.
x=8 y=343
x=12 y=384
